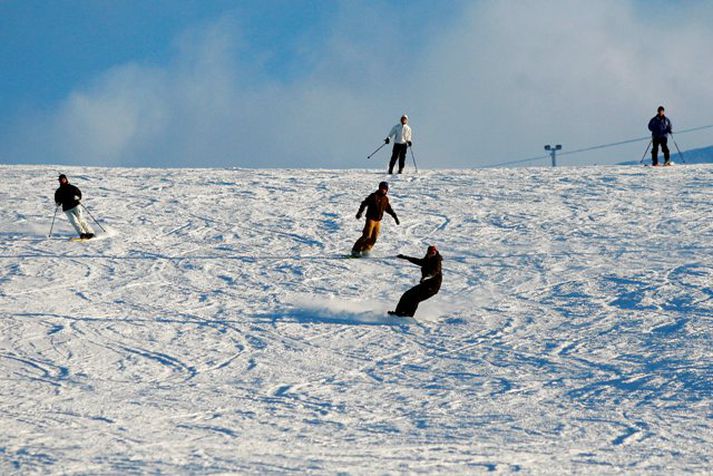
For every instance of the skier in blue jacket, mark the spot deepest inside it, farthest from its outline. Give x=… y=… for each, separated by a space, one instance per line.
x=660 y=127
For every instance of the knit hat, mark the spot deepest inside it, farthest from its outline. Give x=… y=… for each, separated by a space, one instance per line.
x=62 y=176
x=384 y=185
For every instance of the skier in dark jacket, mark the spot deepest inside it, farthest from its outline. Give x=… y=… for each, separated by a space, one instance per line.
x=376 y=204
x=431 y=277
x=69 y=197
x=660 y=127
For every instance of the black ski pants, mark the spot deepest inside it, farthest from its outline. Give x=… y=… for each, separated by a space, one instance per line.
x=663 y=142
x=410 y=300
x=398 y=152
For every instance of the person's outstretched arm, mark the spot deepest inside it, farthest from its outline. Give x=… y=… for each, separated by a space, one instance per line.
x=416 y=261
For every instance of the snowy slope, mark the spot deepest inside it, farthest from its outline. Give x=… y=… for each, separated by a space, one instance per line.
x=218 y=327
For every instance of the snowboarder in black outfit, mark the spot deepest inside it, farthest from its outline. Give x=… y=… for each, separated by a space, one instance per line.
x=431 y=277
x=69 y=197
x=376 y=204
x=660 y=127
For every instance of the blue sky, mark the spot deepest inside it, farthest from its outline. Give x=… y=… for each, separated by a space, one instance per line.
x=318 y=83
x=49 y=48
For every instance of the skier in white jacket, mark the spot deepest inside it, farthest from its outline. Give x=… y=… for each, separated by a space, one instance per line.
x=402 y=140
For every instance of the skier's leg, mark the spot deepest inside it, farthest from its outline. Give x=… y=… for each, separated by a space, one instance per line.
x=408 y=303
x=655 y=152
x=72 y=217
x=394 y=156
x=666 y=151
x=402 y=157
x=373 y=235
x=358 y=244
x=83 y=225
x=413 y=297
x=363 y=240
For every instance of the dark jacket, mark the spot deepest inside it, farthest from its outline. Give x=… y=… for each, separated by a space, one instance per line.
x=659 y=126
x=431 y=273
x=376 y=204
x=68 y=196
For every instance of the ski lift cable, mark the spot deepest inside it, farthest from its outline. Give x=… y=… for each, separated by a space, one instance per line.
x=595 y=147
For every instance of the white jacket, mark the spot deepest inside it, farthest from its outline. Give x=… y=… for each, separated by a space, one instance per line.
x=401 y=133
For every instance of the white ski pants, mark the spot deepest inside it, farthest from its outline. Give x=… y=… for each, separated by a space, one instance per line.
x=76 y=218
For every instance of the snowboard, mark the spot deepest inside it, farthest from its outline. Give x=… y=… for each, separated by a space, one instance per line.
x=401 y=319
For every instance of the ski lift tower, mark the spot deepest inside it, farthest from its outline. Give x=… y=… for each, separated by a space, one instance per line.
x=553 y=152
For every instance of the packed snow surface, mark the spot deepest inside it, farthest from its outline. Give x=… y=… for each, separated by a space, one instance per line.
x=218 y=326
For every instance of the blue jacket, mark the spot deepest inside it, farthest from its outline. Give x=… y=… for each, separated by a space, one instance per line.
x=659 y=127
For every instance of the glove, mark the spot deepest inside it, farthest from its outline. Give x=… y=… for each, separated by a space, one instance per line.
x=409 y=143
x=387 y=140
x=358 y=216
x=396 y=219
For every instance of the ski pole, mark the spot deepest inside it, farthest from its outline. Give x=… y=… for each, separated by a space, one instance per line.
x=377 y=150
x=90 y=214
x=646 y=151
x=413 y=157
x=679 y=150
x=53 y=218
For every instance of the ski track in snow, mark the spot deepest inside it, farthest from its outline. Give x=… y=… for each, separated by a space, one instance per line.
x=219 y=327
